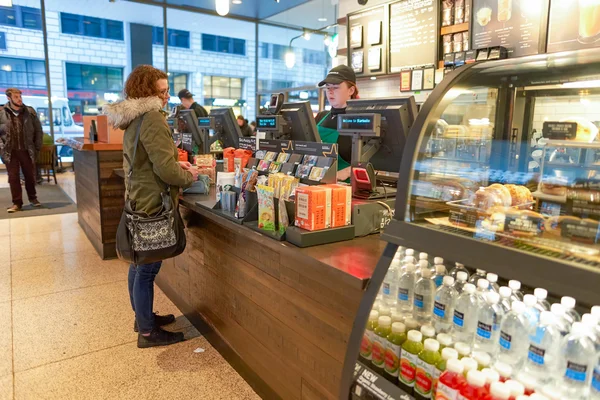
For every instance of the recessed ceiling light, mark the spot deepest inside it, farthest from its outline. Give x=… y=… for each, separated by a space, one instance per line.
x=236 y=1
x=322 y=19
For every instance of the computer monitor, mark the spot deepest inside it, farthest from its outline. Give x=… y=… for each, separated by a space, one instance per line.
x=299 y=117
x=397 y=116
x=226 y=127
x=187 y=123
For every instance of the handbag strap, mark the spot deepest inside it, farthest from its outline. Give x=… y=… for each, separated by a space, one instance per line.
x=135 y=146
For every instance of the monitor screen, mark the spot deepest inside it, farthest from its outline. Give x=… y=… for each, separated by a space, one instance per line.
x=226 y=126
x=187 y=125
x=397 y=116
x=299 y=117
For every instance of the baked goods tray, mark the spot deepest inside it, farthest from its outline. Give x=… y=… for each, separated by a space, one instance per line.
x=466 y=206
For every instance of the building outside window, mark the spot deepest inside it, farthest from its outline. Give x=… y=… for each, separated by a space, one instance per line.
x=21 y=17
x=27 y=75
x=177 y=81
x=223 y=44
x=223 y=91
x=89 y=87
x=177 y=38
x=90 y=26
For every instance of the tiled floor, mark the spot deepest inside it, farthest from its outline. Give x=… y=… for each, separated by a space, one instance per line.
x=66 y=325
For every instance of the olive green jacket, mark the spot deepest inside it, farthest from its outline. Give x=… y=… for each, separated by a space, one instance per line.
x=156 y=162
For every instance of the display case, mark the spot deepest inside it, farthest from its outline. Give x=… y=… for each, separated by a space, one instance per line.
x=500 y=173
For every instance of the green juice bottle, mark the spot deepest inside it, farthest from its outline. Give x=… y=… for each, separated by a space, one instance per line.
x=408 y=361
x=428 y=358
x=384 y=328
x=395 y=340
x=447 y=354
x=366 y=346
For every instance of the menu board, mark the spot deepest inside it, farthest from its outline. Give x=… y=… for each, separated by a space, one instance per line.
x=367 y=41
x=413 y=33
x=513 y=24
x=574 y=25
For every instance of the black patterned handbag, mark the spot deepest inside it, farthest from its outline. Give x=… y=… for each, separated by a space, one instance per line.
x=143 y=238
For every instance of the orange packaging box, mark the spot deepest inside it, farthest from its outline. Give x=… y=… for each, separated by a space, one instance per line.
x=313 y=207
x=341 y=205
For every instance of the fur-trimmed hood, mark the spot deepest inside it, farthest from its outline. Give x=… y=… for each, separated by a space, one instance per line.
x=122 y=113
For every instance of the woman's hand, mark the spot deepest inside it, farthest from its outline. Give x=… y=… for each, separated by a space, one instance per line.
x=185 y=165
x=194 y=171
x=344 y=174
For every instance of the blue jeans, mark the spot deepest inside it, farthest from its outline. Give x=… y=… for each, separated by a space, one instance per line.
x=141 y=293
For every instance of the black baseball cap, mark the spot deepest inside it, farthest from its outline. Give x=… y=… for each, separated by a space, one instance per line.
x=339 y=74
x=185 y=94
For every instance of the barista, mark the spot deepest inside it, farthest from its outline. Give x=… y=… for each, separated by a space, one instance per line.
x=340 y=86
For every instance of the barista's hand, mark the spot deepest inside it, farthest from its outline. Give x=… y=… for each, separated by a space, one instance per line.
x=185 y=165
x=194 y=171
x=344 y=174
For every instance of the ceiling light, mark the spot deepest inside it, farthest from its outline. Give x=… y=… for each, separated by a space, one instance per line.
x=6 y=3
x=222 y=7
x=322 y=19
x=306 y=35
x=290 y=59
x=373 y=78
x=236 y=1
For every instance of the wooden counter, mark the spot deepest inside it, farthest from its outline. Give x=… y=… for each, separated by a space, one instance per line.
x=286 y=312
x=100 y=194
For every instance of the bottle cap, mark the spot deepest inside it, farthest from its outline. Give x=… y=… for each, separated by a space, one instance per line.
x=449 y=353
x=462 y=276
x=528 y=381
x=493 y=278
x=491 y=376
x=396 y=263
x=469 y=364
x=398 y=327
x=547 y=318
x=423 y=264
x=432 y=345
x=438 y=260
x=476 y=378
x=589 y=320
x=441 y=270
x=483 y=284
x=423 y=256
x=480 y=272
x=568 y=302
x=385 y=310
x=596 y=311
x=462 y=348
x=579 y=327
x=459 y=265
x=448 y=280
x=530 y=300
x=384 y=321
x=469 y=288
x=444 y=339
x=518 y=306
x=397 y=316
x=415 y=336
x=410 y=267
x=540 y=293
x=374 y=315
x=409 y=252
x=503 y=369
x=425 y=271
x=411 y=323
x=492 y=297
x=505 y=292
x=514 y=285
x=483 y=359
x=516 y=388
x=428 y=331
x=500 y=391
x=557 y=309
x=454 y=365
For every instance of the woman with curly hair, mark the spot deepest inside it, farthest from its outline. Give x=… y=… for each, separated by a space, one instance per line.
x=155 y=167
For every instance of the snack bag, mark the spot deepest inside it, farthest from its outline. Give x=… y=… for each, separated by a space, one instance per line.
x=283 y=217
x=228 y=159
x=243 y=156
x=266 y=208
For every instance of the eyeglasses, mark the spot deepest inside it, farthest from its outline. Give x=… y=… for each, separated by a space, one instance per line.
x=165 y=93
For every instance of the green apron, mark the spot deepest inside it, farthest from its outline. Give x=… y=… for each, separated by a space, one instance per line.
x=330 y=135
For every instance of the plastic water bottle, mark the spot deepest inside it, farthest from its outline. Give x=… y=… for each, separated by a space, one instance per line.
x=424 y=294
x=577 y=361
x=460 y=281
x=569 y=304
x=424 y=257
x=596 y=312
x=406 y=290
x=505 y=301
x=595 y=389
x=489 y=319
x=562 y=323
x=458 y=267
x=542 y=295
x=483 y=287
x=479 y=274
x=594 y=330
x=389 y=286
x=421 y=266
x=513 y=337
x=493 y=280
x=443 y=305
x=515 y=286
x=464 y=321
x=532 y=313
x=439 y=271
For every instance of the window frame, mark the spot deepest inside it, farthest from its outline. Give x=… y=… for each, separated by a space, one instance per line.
x=18 y=11
x=105 y=25
x=230 y=44
x=158 y=37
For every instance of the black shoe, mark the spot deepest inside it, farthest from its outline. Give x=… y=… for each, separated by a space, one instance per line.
x=159 y=320
x=159 y=337
x=36 y=203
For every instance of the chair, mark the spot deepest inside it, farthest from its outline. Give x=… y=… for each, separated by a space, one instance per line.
x=46 y=162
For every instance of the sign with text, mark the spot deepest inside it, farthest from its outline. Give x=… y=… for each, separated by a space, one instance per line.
x=559 y=130
x=278 y=146
x=316 y=149
x=368 y=41
x=247 y=143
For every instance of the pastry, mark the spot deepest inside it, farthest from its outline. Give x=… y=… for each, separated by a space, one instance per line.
x=503 y=192
x=554 y=186
x=486 y=199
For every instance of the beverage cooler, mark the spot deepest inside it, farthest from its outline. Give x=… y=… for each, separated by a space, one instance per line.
x=491 y=272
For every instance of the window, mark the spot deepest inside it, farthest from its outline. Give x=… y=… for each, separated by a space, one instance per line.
x=223 y=44
x=313 y=57
x=222 y=87
x=42 y=113
x=177 y=81
x=89 y=26
x=94 y=78
x=263 y=50
x=24 y=74
x=274 y=51
x=21 y=17
x=267 y=84
x=177 y=38
x=2 y=41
